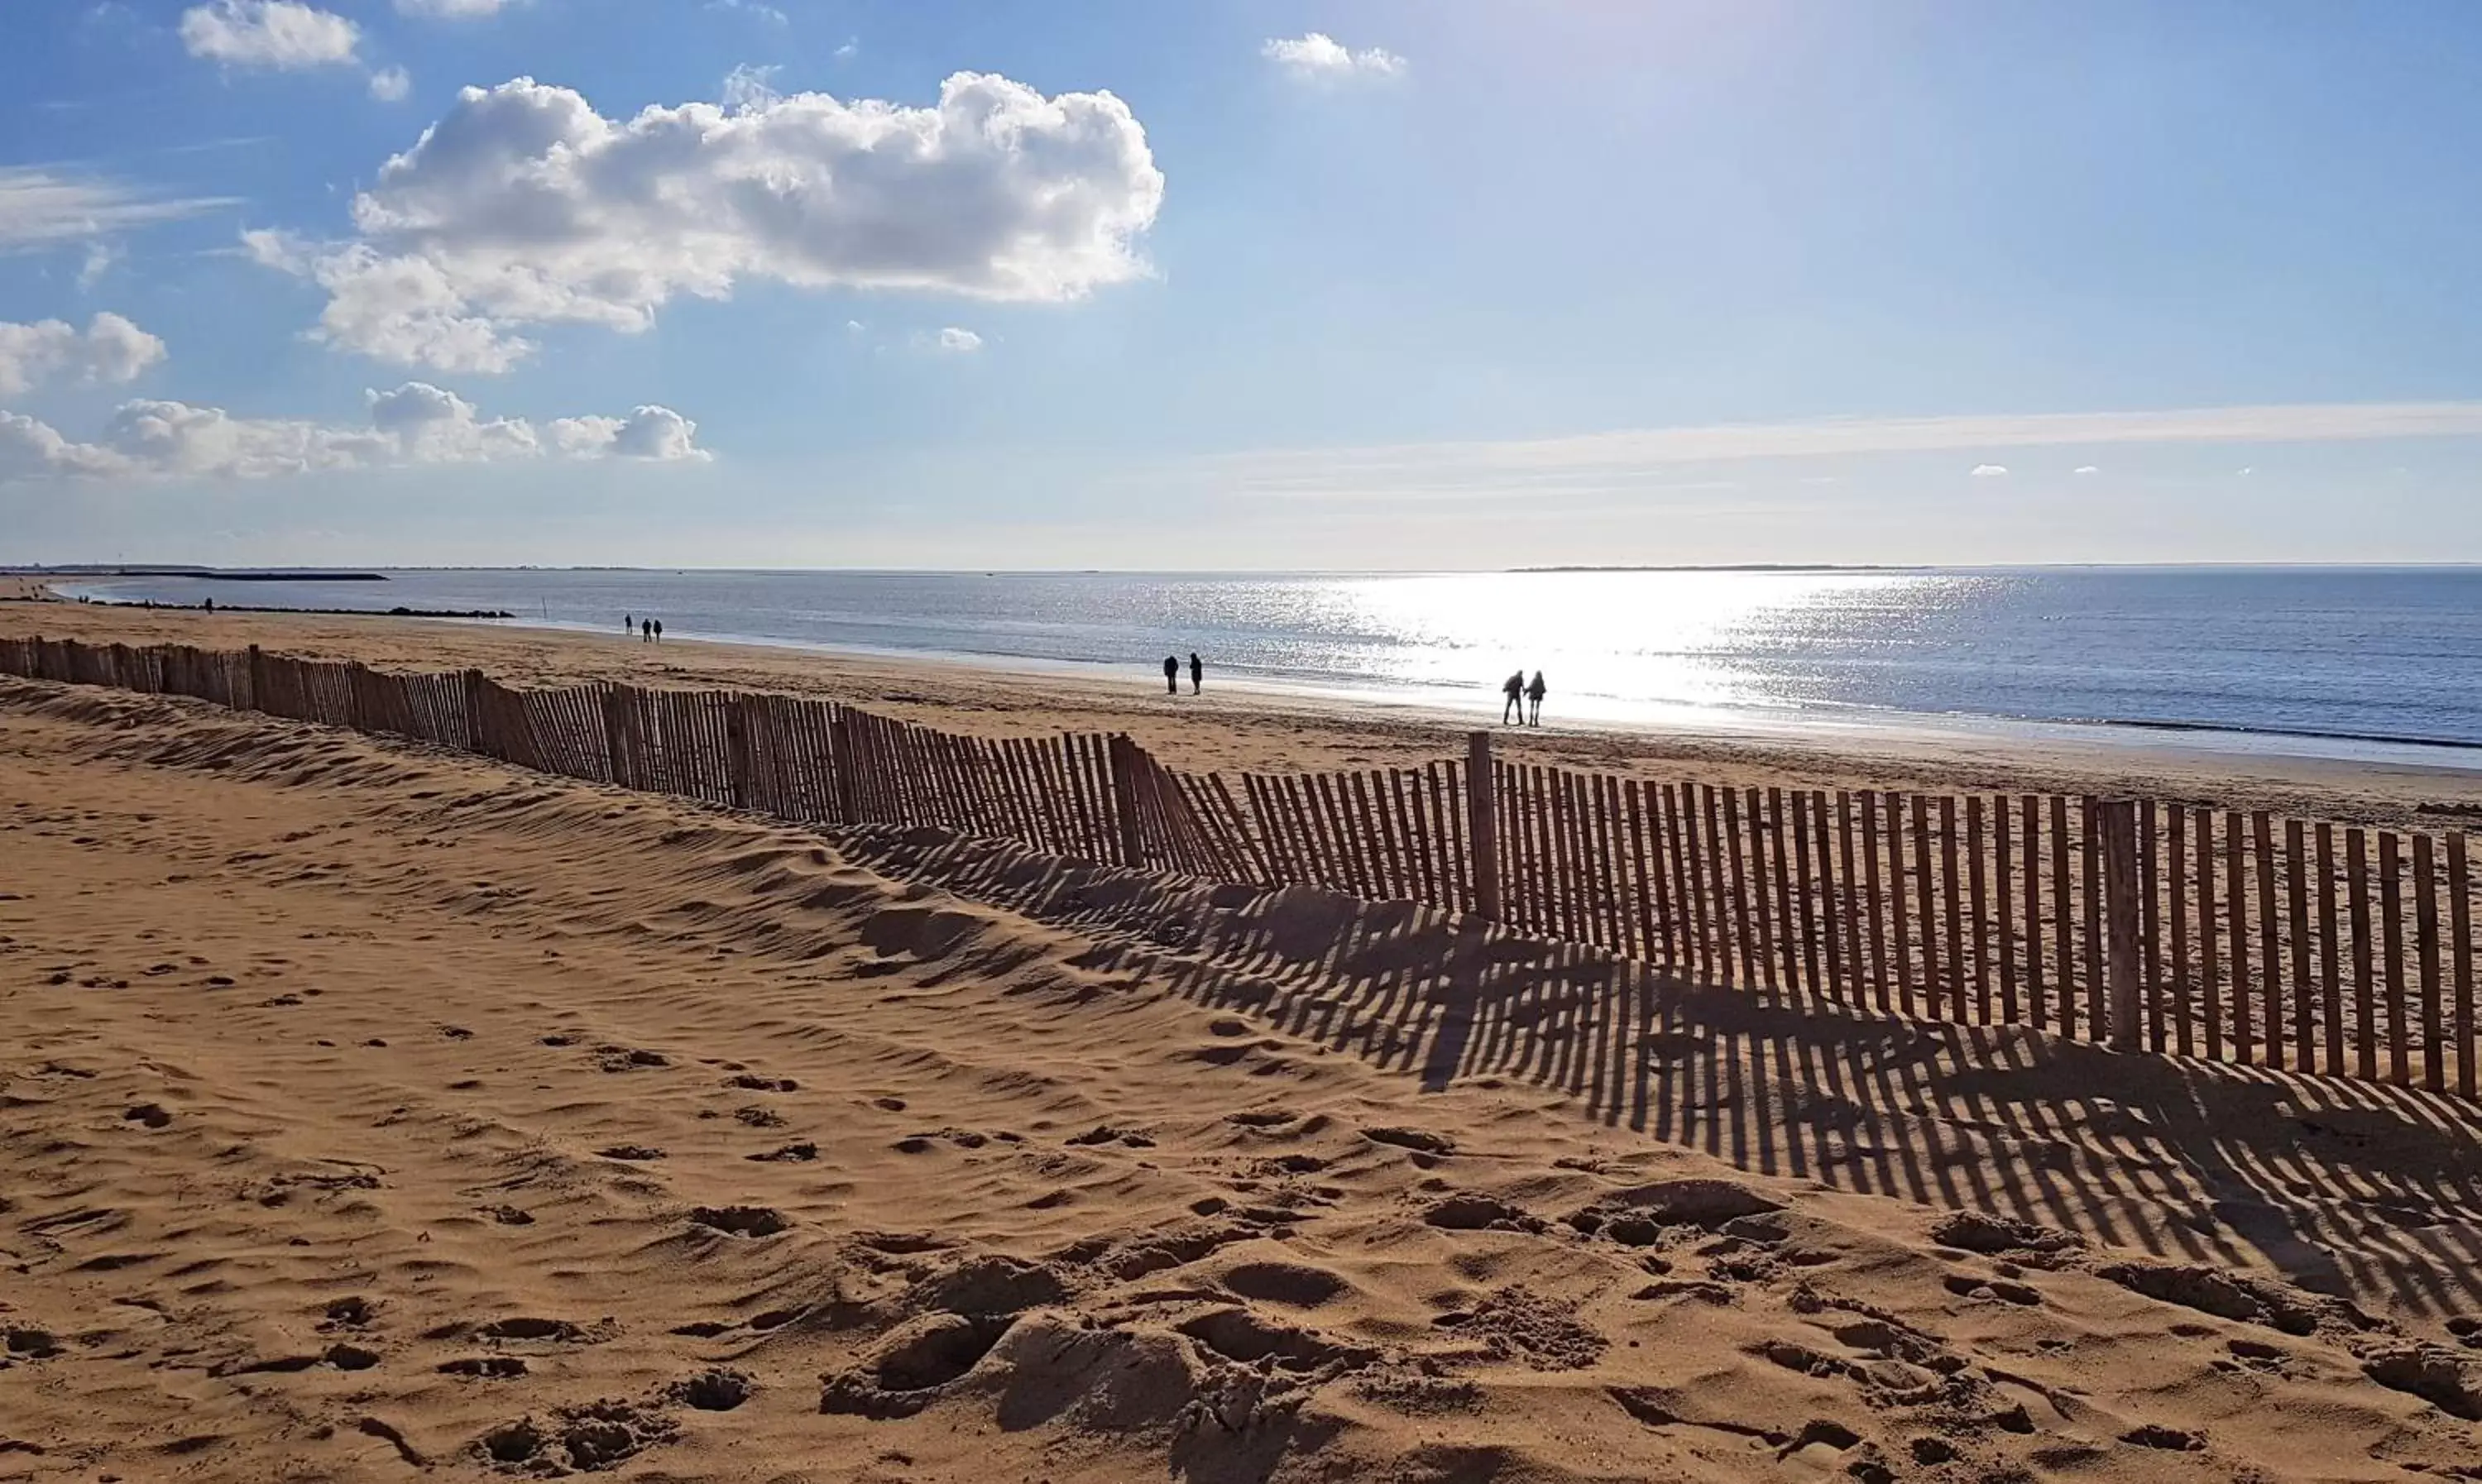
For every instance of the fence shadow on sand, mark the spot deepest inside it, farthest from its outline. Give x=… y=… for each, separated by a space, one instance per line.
x=2338 y=1184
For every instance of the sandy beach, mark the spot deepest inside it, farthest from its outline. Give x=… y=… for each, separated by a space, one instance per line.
x=372 y=1111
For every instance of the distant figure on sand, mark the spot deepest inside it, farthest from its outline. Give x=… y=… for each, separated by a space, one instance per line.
x=1197 y=672
x=628 y=621
x=1172 y=675
x=211 y=605
x=1534 y=693
x=659 y=639
x=1513 y=708
x=645 y=631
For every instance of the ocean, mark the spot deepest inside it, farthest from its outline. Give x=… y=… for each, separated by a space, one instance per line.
x=2360 y=663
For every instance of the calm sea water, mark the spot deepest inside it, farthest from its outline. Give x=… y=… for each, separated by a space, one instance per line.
x=2335 y=661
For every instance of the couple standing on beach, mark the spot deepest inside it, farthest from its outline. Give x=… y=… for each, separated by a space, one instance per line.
x=650 y=630
x=1518 y=693
x=1172 y=674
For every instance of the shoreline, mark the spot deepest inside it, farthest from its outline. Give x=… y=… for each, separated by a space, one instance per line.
x=1240 y=727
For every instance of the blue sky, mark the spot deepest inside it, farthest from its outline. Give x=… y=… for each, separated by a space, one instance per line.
x=1238 y=285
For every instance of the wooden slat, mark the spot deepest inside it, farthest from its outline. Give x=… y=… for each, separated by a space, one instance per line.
x=2356 y=887
x=1761 y=889
x=1927 y=898
x=2296 y=865
x=2063 y=965
x=1830 y=920
x=2236 y=909
x=1857 y=968
x=2459 y=924
x=1647 y=905
x=1978 y=894
x=1900 y=964
x=1787 y=930
x=1805 y=884
x=2003 y=891
x=1952 y=908
x=1738 y=900
x=2270 y=938
x=2096 y=965
x=1688 y=879
x=2391 y=941
x=2425 y=903
x=2175 y=878
x=2331 y=995
x=2149 y=931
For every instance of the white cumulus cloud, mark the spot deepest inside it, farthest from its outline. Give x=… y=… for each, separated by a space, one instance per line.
x=1989 y=470
x=391 y=85
x=414 y=424
x=1319 y=57
x=268 y=34
x=523 y=206
x=110 y=349
x=2085 y=469
x=952 y=339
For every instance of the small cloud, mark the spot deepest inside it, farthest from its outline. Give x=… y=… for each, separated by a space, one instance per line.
x=959 y=341
x=2085 y=469
x=2248 y=469
x=853 y=326
x=391 y=85
x=268 y=34
x=850 y=50
x=1989 y=471
x=747 y=88
x=100 y=256
x=1319 y=57
x=450 y=10
x=753 y=8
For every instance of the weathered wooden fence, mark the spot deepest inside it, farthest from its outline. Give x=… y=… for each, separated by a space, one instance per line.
x=2153 y=925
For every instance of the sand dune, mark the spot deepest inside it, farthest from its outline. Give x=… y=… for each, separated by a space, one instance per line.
x=372 y=1111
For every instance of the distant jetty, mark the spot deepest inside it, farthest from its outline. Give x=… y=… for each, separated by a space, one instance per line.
x=204 y=574
x=346 y=613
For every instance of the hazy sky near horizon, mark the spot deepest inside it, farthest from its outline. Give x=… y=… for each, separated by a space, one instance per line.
x=1418 y=284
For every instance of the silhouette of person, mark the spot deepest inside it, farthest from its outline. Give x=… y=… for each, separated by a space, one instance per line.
x=628 y=621
x=1197 y=672
x=1513 y=708
x=659 y=639
x=1172 y=675
x=211 y=605
x=1534 y=693
x=645 y=631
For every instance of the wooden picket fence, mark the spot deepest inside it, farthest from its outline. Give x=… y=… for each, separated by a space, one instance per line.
x=2151 y=925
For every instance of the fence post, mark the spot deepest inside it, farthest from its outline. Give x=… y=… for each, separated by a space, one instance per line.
x=1124 y=764
x=258 y=678
x=1481 y=826
x=480 y=733
x=736 y=748
x=2118 y=837
x=841 y=764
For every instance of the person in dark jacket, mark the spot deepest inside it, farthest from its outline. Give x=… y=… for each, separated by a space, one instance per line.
x=1197 y=672
x=1172 y=675
x=1513 y=706
x=1535 y=693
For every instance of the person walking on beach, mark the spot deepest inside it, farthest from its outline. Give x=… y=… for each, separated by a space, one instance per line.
x=628 y=621
x=659 y=639
x=1197 y=672
x=1172 y=675
x=1513 y=708
x=1535 y=693
x=645 y=631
